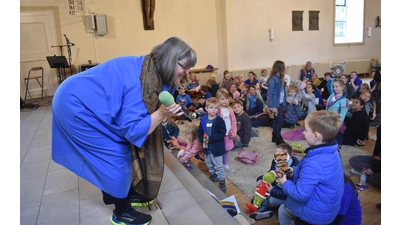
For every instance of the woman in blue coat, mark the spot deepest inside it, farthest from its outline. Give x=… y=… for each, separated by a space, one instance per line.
x=277 y=98
x=107 y=119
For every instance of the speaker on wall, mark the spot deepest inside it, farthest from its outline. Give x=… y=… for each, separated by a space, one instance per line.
x=90 y=24
x=101 y=24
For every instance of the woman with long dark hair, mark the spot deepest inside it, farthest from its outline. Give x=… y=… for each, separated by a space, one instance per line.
x=277 y=98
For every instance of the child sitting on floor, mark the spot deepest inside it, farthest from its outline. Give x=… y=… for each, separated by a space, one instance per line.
x=292 y=108
x=357 y=127
x=193 y=147
x=317 y=185
x=277 y=196
x=169 y=131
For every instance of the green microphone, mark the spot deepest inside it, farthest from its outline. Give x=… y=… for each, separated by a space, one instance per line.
x=167 y=99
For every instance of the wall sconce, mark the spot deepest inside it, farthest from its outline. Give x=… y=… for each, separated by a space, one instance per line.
x=369 y=31
x=271 y=34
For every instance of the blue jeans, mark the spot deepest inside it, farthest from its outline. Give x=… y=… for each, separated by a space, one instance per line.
x=278 y=121
x=270 y=202
x=285 y=216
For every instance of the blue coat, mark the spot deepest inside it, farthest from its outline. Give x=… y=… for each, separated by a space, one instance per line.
x=274 y=91
x=97 y=114
x=216 y=143
x=317 y=187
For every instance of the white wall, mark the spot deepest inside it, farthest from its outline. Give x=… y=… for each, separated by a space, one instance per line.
x=228 y=34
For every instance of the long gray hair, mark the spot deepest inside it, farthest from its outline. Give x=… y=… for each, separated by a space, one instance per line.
x=167 y=55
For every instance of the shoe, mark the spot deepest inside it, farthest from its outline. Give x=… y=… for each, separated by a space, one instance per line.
x=353 y=171
x=273 y=137
x=222 y=185
x=131 y=217
x=213 y=177
x=140 y=201
x=279 y=140
x=374 y=124
x=360 y=143
x=261 y=215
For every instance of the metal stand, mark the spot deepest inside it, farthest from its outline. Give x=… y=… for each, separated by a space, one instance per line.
x=60 y=63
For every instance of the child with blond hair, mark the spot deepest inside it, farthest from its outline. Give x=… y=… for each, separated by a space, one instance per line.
x=193 y=146
x=211 y=133
x=293 y=109
x=228 y=115
x=313 y=197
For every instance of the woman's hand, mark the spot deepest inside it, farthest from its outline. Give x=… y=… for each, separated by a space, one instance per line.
x=173 y=110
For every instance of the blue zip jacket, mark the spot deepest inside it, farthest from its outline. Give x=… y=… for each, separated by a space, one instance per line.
x=316 y=190
x=216 y=143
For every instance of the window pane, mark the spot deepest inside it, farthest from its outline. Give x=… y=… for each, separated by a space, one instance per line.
x=349 y=21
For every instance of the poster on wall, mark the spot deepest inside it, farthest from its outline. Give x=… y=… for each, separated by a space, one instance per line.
x=76 y=7
x=313 y=20
x=297 y=20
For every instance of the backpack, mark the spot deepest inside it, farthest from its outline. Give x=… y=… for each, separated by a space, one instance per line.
x=248 y=157
x=263 y=121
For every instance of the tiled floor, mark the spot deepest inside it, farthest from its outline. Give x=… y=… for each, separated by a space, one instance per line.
x=51 y=194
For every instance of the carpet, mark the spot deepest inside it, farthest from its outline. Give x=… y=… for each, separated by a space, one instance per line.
x=244 y=176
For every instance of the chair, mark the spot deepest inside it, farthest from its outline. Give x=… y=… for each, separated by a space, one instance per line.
x=27 y=79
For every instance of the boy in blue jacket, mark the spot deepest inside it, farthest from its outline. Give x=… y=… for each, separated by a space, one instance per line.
x=313 y=197
x=277 y=196
x=211 y=133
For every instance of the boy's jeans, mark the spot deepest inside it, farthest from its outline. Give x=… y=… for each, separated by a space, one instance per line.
x=286 y=217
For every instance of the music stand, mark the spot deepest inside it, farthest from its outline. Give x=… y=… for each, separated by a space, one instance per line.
x=60 y=63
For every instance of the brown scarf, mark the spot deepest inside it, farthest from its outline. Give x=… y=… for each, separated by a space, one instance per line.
x=148 y=161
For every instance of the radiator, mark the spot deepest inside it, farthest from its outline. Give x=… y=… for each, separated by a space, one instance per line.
x=361 y=66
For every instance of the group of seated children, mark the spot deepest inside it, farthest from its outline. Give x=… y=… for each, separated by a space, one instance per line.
x=307 y=191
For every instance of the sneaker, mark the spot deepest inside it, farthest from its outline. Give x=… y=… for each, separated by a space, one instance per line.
x=131 y=217
x=360 y=143
x=353 y=171
x=222 y=185
x=140 y=201
x=213 y=177
x=261 y=215
x=374 y=124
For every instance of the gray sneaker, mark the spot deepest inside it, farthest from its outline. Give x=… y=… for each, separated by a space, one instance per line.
x=353 y=171
x=213 y=177
x=261 y=215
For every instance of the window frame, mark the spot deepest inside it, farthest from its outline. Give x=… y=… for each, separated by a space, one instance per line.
x=340 y=34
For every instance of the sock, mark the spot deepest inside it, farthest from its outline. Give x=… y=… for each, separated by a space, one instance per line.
x=225 y=159
x=121 y=207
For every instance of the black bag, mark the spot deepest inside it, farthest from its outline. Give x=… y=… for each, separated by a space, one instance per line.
x=263 y=121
